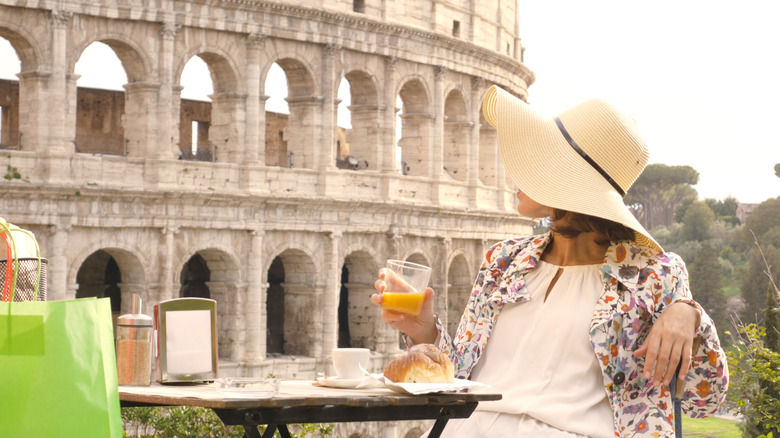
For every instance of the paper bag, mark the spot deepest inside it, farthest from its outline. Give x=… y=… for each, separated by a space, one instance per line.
x=58 y=369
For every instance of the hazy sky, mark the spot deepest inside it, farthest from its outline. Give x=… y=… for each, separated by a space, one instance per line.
x=702 y=78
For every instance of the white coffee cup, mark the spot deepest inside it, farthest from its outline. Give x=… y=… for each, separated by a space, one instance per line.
x=347 y=362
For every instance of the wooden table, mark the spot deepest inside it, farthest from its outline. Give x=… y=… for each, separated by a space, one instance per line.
x=303 y=402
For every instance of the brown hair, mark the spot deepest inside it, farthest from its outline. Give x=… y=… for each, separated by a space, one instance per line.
x=571 y=224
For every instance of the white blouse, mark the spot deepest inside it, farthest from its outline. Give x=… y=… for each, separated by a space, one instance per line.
x=540 y=358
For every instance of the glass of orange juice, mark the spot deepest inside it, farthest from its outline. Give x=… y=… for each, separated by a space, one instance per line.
x=405 y=284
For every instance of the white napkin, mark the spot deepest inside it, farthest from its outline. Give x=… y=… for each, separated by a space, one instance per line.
x=460 y=385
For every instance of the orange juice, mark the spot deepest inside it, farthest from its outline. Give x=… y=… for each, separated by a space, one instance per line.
x=405 y=302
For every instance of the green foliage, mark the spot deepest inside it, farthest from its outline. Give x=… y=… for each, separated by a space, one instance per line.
x=725 y=210
x=765 y=217
x=755 y=379
x=191 y=422
x=697 y=221
x=12 y=173
x=705 y=281
x=777 y=170
x=660 y=189
x=755 y=282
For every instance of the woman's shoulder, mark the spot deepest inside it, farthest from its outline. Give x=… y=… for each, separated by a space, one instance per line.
x=633 y=256
x=512 y=247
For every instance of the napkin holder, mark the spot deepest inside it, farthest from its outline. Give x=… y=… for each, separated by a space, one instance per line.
x=186 y=340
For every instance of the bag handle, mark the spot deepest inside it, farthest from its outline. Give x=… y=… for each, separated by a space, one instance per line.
x=10 y=269
x=12 y=256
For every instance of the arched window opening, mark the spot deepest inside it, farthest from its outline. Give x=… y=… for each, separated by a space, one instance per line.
x=360 y=115
x=194 y=143
x=274 y=308
x=343 y=310
x=344 y=157
x=277 y=117
x=100 y=101
x=100 y=276
x=194 y=276
x=10 y=137
x=292 y=116
x=415 y=133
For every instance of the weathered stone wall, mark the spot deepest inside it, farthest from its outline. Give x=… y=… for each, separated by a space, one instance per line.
x=268 y=200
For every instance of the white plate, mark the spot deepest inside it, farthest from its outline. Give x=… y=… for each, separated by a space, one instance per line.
x=335 y=382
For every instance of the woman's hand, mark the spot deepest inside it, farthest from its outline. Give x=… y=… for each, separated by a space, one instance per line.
x=670 y=342
x=421 y=328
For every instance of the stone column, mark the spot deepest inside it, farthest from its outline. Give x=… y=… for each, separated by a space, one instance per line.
x=254 y=43
x=58 y=21
x=325 y=154
x=166 y=146
x=330 y=302
x=473 y=158
x=301 y=134
x=442 y=278
x=228 y=302
x=386 y=154
x=436 y=167
x=168 y=288
x=140 y=119
x=255 y=301
x=33 y=116
x=228 y=119
x=57 y=266
x=71 y=105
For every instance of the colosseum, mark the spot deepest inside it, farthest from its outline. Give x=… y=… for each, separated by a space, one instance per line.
x=283 y=219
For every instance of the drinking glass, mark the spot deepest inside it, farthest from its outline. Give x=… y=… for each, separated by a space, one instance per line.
x=405 y=284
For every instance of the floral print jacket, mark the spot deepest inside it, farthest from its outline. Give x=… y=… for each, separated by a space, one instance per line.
x=639 y=283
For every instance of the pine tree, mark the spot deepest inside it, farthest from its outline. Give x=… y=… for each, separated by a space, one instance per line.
x=706 y=286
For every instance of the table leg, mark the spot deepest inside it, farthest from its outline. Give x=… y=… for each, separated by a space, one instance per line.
x=269 y=431
x=438 y=428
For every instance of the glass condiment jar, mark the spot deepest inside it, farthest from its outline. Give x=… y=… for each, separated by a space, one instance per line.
x=134 y=347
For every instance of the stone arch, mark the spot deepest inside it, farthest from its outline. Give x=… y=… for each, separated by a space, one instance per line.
x=304 y=106
x=290 y=303
x=223 y=69
x=134 y=271
x=221 y=284
x=20 y=116
x=364 y=139
x=456 y=136
x=357 y=317
x=24 y=44
x=459 y=282
x=134 y=60
x=416 y=125
x=113 y=272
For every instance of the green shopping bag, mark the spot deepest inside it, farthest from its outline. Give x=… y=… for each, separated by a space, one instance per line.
x=58 y=370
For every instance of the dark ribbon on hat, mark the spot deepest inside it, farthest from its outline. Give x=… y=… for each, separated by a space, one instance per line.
x=587 y=158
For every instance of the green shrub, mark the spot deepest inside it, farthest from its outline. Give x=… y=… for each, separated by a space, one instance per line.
x=193 y=422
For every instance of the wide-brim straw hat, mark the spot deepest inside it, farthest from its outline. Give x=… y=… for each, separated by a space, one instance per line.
x=584 y=160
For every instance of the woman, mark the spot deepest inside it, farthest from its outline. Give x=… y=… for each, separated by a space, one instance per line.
x=594 y=317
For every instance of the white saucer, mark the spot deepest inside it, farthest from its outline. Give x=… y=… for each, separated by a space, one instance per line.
x=336 y=382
